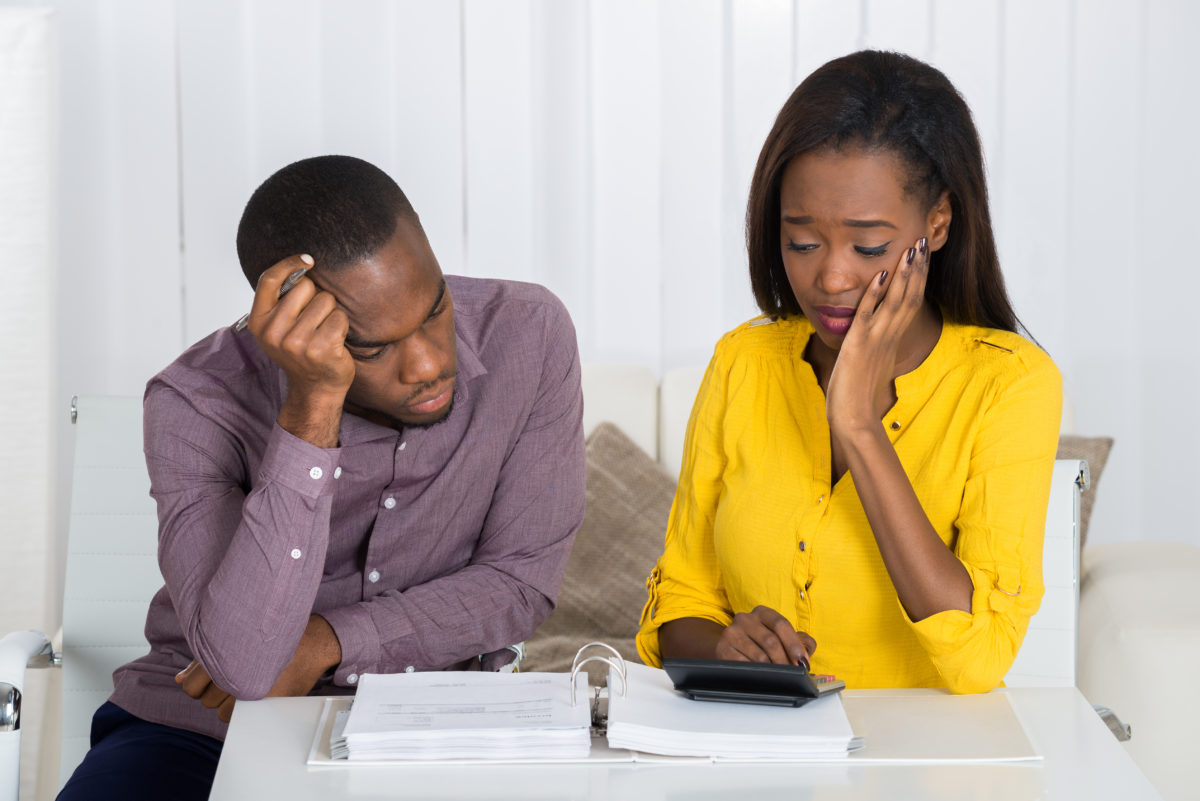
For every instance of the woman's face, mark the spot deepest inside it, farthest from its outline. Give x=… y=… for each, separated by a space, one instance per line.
x=845 y=218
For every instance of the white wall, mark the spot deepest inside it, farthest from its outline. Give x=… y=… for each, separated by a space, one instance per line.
x=603 y=147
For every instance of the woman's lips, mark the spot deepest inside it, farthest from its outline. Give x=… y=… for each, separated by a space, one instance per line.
x=835 y=319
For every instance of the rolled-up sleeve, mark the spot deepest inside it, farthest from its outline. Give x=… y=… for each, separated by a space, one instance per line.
x=687 y=580
x=1000 y=532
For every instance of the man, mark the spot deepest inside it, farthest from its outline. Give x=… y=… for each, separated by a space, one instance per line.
x=383 y=473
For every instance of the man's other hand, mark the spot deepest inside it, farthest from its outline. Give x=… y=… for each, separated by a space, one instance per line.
x=196 y=682
x=318 y=651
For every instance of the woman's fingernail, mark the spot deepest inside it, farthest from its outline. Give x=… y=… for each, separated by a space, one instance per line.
x=307 y=259
x=882 y=277
x=912 y=252
x=924 y=245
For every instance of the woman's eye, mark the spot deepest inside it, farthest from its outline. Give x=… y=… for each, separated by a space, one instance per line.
x=875 y=251
x=800 y=247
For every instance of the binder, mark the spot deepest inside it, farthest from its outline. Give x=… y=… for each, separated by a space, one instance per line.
x=638 y=705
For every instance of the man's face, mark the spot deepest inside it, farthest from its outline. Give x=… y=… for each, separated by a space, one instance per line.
x=401 y=332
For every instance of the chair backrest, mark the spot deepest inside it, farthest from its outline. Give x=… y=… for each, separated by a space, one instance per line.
x=112 y=564
x=1049 y=654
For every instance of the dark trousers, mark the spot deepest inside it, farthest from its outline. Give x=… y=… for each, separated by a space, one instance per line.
x=134 y=760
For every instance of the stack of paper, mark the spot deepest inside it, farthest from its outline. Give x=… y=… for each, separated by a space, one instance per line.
x=466 y=715
x=651 y=716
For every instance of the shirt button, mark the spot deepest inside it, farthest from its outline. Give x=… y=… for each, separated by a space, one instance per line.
x=373 y=576
x=895 y=425
x=352 y=678
x=409 y=669
x=389 y=503
x=337 y=472
x=296 y=553
x=403 y=445
x=315 y=473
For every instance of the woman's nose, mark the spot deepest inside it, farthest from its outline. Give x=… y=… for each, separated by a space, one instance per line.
x=835 y=276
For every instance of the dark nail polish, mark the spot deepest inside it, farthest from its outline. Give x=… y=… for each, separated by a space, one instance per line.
x=924 y=245
x=882 y=277
x=912 y=252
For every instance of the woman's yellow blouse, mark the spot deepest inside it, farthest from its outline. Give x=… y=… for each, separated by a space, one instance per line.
x=755 y=520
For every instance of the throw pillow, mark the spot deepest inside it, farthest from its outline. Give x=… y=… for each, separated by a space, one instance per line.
x=1094 y=451
x=629 y=498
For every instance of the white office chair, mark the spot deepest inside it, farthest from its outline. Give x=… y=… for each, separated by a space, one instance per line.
x=112 y=573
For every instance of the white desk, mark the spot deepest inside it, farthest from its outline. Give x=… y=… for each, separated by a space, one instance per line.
x=269 y=740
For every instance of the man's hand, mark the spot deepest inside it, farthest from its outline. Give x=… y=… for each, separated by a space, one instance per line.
x=196 y=682
x=318 y=651
x=304 y=332
x=764 y=635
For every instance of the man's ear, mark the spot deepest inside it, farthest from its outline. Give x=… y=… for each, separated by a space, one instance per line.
x=938 y=221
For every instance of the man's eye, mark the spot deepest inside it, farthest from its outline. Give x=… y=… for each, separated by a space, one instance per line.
x=368 y=356
x=875 y=251
x=800 y=247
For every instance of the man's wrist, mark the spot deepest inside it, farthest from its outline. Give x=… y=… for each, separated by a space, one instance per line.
x=313 y=417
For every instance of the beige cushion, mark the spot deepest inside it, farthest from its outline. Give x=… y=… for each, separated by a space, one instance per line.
x=628 y=501
x=1094 y=451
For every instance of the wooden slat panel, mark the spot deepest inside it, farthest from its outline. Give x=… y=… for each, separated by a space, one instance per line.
x=691 y=263
x=903 y=25
x=1106 y=265
x=217 y=163
x=428 y=109
x=760 y=80
x=562 y=165
x=1165 y=272
x=498 y=98
x=1031 y=201
x=625 y=97
x=825 y=29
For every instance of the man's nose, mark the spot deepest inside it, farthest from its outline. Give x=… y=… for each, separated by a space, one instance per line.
x=422 y=362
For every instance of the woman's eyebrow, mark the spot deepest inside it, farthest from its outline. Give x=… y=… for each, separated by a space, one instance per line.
x=807 y=220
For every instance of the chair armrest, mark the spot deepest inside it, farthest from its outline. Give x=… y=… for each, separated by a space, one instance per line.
x=16 y=651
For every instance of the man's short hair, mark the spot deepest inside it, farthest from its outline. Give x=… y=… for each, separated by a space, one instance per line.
x=338 y=209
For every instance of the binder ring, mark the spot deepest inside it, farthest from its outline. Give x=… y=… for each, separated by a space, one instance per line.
x=615 y=661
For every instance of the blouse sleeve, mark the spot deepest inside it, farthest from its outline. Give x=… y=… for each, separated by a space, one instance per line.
x=686 y=582
x=1000 y=530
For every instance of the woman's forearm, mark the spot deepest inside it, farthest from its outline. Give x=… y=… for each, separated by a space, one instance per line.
x=690 y=638
x=927 y=576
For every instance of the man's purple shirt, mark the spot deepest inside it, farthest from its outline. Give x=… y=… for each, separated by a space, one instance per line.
x=423 y=548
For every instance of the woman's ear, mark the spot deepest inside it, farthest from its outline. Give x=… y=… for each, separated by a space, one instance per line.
x=938 y=221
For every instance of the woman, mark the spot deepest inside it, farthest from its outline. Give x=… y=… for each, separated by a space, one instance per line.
x=868 y=464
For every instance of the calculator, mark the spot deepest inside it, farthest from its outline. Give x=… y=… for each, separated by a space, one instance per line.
x=748 y=682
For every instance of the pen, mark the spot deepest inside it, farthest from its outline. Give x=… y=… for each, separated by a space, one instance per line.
x=288 y=283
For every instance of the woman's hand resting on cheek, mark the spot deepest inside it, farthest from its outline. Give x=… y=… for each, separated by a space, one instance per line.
x=860 y=388
x=764 y=635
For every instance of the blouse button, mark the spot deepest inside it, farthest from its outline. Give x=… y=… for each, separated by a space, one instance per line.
x=895 y=425
x=821 y=499
x=802 y=545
